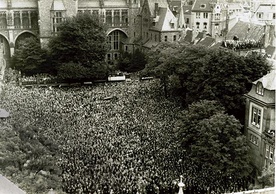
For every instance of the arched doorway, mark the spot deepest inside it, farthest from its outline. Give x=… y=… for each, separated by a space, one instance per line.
x=22 y=37
x=116 y=41
x=6 y=50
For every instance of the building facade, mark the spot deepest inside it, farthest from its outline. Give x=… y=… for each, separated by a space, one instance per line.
x=260 y=121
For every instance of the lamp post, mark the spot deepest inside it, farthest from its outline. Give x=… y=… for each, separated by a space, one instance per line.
x=181 y=185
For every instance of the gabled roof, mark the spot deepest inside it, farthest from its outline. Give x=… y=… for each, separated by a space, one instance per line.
x=149 y=44
x=202 y=6
x=161 y=3
x=268 y=81
x=246 y=31
x=165 y=18
x=7 y=187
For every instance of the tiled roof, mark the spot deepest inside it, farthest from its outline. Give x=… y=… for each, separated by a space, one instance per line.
x=150 y=44
x=161 y=3
x=246 y=31
x=268 y=81
x=165 y=18
x=207 y=41
x=202 y=5
x=7 y=187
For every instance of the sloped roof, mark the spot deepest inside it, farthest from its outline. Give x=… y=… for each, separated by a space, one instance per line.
x=88 y=3
x=268 y=81
x=189 y=36
x=187 y=9
x=202 y=5
x=23 y=3
x=161 y=3
x=165 y=18
x=58 y=5
x=7 y=187
x=234 y=6
x=207 y=41
x=150 y=44
x=266 y=7
x=246 y=31
x=270 y=50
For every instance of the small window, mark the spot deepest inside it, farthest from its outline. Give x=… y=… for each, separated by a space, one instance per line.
x=274 y=16
x=174 y=37
x=166 y=38
x=205 y=15
x=260 y=15
x=203 y=6
x=198 y=15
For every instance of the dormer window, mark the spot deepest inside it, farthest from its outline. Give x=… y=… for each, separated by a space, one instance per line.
x=203 y=6
x=260 y=88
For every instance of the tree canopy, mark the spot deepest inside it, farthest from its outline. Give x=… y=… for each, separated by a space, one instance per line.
x=203 y=73
x=81 y=40
x=214 y=150
x=30 y=58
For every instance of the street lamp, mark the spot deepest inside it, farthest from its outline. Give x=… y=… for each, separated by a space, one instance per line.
x=181 y=185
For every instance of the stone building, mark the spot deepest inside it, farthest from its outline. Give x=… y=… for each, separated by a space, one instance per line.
x=20 y=19
x=260 y=121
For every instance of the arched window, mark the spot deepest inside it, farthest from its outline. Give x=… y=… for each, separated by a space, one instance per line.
x=260 y=88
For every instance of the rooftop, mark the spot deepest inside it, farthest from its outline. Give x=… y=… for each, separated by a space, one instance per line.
x=7 y=187
x=268 y=81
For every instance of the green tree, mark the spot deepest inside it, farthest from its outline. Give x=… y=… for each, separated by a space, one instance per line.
x=204 y=73
x=132 y=62
x=30 y=58
x=214 y=147
x=81 y=40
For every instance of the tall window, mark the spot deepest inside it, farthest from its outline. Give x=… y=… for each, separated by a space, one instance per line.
x=114 y=40
x=260 y=15
x=57 y=19
x=187 y=20
x=260 y=88
x=197 y=14
x=205 y=15
x=25 y=19
x=197 y=25
x=17 y=21
x=116 y=17
x=34 y=19
x=274 y=16
x=3 y=19
x=108 y=17
x=174 y=37
x=256 y=116
x=166 y=38
x=125 y=17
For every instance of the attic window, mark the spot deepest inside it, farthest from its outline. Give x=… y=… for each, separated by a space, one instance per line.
x=202 y=6
x=260 y=88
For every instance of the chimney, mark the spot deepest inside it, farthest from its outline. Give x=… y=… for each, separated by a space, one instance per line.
x=155 y=9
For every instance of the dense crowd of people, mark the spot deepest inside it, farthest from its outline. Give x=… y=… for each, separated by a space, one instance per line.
x=111 y=138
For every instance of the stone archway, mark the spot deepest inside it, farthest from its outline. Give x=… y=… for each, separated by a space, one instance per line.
x=22 y=37
x=117 y=38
